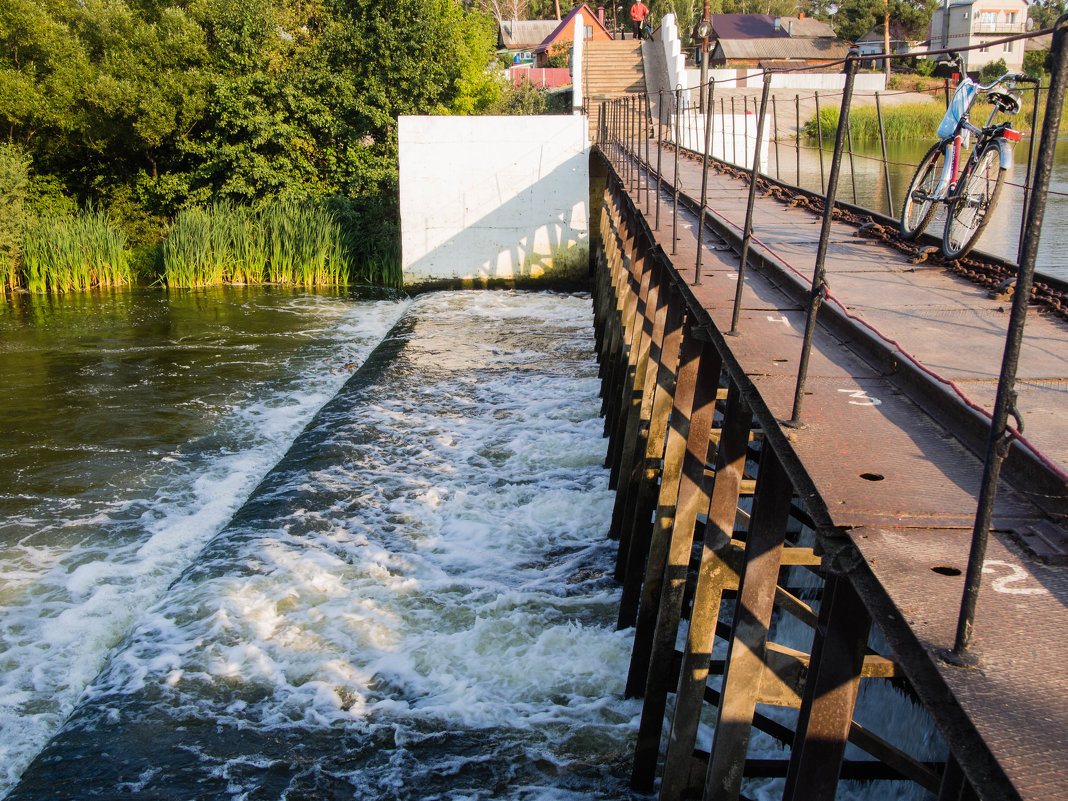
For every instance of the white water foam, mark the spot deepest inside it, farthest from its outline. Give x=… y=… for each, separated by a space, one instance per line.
x=74 y=575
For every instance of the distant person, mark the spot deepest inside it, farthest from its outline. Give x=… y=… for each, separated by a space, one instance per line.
x=638 y=12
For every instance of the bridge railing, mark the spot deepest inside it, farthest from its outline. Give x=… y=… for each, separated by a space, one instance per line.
x=630 y=124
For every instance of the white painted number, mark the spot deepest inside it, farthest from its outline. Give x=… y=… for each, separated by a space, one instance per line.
x=1017 y=574
x=861 y=398
x=778 y=320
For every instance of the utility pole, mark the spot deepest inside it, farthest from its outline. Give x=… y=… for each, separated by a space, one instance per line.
x=886 y=39
x=704 y=28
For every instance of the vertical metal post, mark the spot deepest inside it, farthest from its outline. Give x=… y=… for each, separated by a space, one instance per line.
x=628 y=140
x=945 y=88
x=775 y=127
x=1030 y=167
x=818 y=284
x=1005 y=403
x=852 y=166
x=723 y=127
x=659 y=153
x=748 y=231
x=797 y=139
x=646 y=121
x=675 y=174
x=704 y=181
x=886 y=161
x=734 y=133
x=819 y=133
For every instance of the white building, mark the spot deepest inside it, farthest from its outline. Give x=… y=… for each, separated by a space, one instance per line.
x=963 y=23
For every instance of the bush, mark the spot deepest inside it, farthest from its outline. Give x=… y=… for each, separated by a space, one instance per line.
x=559 y=55
x=993 y=71
x=14 y=215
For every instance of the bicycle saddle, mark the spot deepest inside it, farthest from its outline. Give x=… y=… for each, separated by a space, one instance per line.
x=1005 y=100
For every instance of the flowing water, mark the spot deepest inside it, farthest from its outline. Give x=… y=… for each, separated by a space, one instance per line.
x=260 y=544
x=412 y=604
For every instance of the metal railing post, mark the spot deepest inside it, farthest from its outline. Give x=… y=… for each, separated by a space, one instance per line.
x=886 y=161
x=675 y=174
x=1000 y=439
x=659 y=154
x=852 y=166
x=818 y=283
x=775 y=128
x=797 y=139
x=648 y=118
x=734 y=134
x=704 y=181
x=819 y=133
x=748 y=230
x=723 y=126
x=1030 y=167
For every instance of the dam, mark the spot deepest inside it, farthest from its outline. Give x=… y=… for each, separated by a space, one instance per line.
x=449 y=584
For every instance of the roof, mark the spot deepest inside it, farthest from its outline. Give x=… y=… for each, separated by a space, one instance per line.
x=566 y=22
x=806 y=28
x=898 y=33
x=780 y=48
x=524 y=33
x=766 y=26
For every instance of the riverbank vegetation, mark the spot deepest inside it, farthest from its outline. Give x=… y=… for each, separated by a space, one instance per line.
x=162 y=120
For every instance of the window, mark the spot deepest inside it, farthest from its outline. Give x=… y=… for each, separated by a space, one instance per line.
x=988 y=18
x=588 y=31
x=1008 y=46
x=1012 y=17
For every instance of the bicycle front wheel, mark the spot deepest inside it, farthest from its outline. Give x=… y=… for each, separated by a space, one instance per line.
x=970 y=210
x=920 y=205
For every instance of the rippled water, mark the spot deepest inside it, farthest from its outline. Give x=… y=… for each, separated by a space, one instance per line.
x=414 y=603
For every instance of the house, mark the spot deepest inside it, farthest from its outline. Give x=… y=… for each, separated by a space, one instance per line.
x=564 y=32
x=762 y=40
x=963 y=23
x=521 y=37
x=902 y=40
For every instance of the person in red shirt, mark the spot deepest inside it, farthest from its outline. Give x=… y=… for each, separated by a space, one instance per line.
x=638 y=12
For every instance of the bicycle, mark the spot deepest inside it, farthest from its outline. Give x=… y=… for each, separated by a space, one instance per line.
x=969 y=193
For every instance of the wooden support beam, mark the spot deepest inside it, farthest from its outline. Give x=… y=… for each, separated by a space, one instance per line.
x=830 y=693
x=718 y=571
x=747 y=650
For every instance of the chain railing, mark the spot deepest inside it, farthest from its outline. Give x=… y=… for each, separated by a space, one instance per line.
x=687 y=130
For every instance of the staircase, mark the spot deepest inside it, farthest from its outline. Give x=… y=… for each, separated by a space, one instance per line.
x=610 y=70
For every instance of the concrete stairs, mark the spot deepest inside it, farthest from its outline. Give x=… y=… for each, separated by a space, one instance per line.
x=610 y=70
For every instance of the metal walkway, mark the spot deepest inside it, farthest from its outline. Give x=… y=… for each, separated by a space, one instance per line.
x=887 y=466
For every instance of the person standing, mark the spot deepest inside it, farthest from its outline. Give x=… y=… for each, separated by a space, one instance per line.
x=638 y=12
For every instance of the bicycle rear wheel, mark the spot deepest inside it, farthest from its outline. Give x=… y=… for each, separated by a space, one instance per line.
x=916 y=213
x=970 y=211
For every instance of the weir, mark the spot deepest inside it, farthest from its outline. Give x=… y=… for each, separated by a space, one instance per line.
x=762 y=424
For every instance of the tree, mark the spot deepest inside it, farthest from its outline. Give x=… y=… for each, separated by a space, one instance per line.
x=855 y=18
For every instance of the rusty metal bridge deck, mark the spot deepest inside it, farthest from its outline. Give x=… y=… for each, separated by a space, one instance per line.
x=891 y=451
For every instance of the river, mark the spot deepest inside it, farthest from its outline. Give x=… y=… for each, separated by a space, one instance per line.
x=266 y=544
x=864 y=179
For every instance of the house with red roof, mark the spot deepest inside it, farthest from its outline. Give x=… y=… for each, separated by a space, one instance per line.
x=564 y=33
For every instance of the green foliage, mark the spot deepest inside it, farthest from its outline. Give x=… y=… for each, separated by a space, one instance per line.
x=148 y=107
x=1036 y=63
x=281 y=242
x=1046 y=12
x=993 y=70
x=907 y=121
x=75 y=254
x=14 y=215
x=854 y=18
x=559 y=55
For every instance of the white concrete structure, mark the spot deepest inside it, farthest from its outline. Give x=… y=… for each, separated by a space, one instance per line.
x=489 y=198
x=733 y=137
x=802 y=81
x=576 y=67
x=674 y=61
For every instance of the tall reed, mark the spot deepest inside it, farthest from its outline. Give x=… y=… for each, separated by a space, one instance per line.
x=282 y=241
x=70 y=254
x=912 y=120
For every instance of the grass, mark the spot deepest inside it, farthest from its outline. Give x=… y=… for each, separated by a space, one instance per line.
x=74 y=254
x=281 y=242
x=913 y=120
